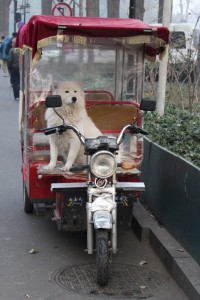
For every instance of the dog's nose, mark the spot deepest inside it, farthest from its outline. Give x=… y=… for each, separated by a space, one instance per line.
x=74 y=99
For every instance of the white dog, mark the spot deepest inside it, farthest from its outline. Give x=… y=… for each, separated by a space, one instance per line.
x=73 y=112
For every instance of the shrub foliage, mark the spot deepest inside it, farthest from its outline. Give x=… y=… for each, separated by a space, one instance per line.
x=177 y=130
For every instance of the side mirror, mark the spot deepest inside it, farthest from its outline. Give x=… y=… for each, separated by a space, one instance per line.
x=148 y=105
x=53 y=101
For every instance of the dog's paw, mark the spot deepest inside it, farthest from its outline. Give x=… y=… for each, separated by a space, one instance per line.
x=49 y=167
x=66 y=167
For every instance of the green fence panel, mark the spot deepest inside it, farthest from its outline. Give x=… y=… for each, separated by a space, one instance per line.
x=173 y=194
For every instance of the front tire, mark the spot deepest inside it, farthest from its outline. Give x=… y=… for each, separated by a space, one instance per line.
x=102 y=256
x=28 y=206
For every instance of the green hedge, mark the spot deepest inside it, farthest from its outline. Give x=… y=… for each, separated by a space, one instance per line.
x=177 y=131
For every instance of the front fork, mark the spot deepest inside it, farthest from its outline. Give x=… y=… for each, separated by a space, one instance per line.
x=110 y=191
x=114 y=231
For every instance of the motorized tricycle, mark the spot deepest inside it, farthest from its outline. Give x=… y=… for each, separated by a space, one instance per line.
x=107 y=55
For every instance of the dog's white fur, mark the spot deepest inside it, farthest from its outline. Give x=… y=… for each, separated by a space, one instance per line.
x=73 y=112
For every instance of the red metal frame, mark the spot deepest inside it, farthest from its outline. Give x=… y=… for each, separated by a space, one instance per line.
x=39 y=188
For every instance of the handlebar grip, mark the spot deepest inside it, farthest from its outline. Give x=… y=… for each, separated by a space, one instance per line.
x=50 y=131
x=77 y=168
x=136 y=129
x=144 y=132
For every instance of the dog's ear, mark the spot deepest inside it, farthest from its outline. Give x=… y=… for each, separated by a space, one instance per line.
x=80 y=83
x=54 y=86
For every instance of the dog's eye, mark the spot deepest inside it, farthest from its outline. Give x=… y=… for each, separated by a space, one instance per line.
x=75 y=91
x=66 y=91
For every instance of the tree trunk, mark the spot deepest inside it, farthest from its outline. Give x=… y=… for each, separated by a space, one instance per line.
x=198 y=65
x=4 y=19
x=113 y=8
x=92 y=8
x=181 y=8
x=139 y=13
x=88 y=8
x=160 y=11
x=95 y=8
x=46 y=7
x=187 y=9
x=80 y=8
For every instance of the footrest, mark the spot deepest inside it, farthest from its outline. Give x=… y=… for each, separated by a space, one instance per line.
x=63 y=187
x=131 y=186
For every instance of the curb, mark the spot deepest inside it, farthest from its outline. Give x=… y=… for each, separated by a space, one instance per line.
x=178 y=262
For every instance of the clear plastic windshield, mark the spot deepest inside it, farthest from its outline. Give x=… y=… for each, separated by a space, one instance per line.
x=99 y=66
x=107 y=72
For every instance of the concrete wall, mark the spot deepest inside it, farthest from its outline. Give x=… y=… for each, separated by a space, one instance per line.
x=173 y=195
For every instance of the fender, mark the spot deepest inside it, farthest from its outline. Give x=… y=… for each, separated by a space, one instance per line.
x=102 y=219
x=102 y=208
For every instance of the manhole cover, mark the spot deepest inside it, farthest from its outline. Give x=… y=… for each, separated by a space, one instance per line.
x=124 y=280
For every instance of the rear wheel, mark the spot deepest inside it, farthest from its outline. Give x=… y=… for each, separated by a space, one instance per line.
x=28 y=206
x=102 y=256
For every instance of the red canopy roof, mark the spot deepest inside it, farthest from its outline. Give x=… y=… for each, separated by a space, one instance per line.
x=42 y=27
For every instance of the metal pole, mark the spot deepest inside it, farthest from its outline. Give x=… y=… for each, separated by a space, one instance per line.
x=15 y=10
x=132 y=14
x=24 y=14
x=80 y=8
x=167 y=8
x=132 y=9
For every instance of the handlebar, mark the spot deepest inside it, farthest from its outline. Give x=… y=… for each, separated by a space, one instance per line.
x=62 y=128
x=133 y=129
x=50 y=131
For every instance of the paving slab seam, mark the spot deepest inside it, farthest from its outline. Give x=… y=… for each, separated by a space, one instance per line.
x=179 y=263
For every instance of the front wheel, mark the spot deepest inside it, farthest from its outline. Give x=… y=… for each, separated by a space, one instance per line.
x=28 y=206
x=102 y=256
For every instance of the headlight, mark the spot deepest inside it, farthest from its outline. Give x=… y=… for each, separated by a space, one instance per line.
x=103 y=164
